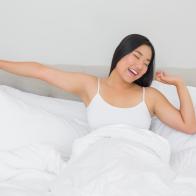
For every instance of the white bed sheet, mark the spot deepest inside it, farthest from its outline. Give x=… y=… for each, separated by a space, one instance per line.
x=29 y=170
x=121 y=160
x=39 y=170
x=33 y=169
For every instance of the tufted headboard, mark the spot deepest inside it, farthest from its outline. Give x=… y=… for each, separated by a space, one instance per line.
x=42 y=88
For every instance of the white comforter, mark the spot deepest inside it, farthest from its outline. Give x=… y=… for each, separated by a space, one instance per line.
x=114 y=160
x=28 y=170
x=121 y=160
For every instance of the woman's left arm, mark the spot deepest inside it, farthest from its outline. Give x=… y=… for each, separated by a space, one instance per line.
x=182 y=119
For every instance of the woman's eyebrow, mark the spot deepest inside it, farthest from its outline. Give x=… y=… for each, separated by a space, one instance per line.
x=141 y=54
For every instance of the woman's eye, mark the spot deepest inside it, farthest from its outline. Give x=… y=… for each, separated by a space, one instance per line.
x=136 y=56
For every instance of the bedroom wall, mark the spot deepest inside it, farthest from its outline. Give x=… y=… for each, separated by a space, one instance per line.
x=86 y=32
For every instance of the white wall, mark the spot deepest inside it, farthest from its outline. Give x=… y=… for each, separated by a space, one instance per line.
x=87 y=32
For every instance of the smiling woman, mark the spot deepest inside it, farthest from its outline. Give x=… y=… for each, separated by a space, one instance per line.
x=125 y=96
x=119 y=154
x=139 y=49
x=140 y=59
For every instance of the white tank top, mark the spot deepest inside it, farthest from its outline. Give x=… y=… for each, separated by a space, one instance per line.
x=101 y=113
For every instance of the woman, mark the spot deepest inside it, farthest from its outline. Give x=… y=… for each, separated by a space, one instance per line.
x=110 y=100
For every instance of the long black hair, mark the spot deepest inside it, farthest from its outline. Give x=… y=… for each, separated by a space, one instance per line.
x=127 y=45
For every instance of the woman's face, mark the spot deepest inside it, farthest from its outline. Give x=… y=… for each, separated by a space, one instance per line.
x=135 y=64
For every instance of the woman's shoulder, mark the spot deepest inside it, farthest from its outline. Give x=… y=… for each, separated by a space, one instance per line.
x=154 y=94
x=152 y=91
x=91 y=83
x=89 y=78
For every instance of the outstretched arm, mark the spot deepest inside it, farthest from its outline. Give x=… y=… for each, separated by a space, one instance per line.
x=29 y=69
x=182 y=119
x=73 y=82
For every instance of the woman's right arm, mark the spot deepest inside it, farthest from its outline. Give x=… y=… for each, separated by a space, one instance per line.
x=73 y=82
x=29 y=69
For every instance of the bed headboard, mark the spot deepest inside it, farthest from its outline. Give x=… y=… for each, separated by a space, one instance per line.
x=42 y=88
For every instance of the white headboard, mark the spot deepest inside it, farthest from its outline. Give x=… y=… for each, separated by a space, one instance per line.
x=42 y=88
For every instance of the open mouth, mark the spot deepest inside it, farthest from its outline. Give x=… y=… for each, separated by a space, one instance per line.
x=132 y=71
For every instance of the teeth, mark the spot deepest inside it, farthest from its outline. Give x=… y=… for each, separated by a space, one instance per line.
x=132 y=70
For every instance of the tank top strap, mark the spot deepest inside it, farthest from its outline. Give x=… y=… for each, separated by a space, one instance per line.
x=143 y=97
x=98 y=85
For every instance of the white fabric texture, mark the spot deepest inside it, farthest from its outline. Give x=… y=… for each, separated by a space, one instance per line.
x=113 y=160
x=177 y=140
x=25 y=122
x=121 y=160
x=67 y=109
x=30 y=161
x=101 y=113
x=28 y=170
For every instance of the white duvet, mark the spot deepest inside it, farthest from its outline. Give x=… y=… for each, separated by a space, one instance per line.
x=28 y=170
x=114 y=160
x=120 y=160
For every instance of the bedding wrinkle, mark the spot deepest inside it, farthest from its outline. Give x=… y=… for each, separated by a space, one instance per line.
x=119 y=160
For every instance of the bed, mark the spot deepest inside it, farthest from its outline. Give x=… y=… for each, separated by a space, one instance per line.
x=42 y=127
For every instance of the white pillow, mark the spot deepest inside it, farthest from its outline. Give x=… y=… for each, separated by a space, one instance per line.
x=67 y=109
x=24 y=124
x=178 y=140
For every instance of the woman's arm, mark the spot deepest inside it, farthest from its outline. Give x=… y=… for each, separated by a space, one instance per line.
x=73 y=82
x=29 y=69
x=183 y=119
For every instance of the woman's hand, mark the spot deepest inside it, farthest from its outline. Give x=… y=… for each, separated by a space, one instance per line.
x=168 y=78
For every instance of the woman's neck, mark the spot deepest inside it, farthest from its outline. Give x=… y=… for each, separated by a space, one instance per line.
x=116 y=82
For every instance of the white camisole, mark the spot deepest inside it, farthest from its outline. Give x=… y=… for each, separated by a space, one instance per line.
x=101 y=113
